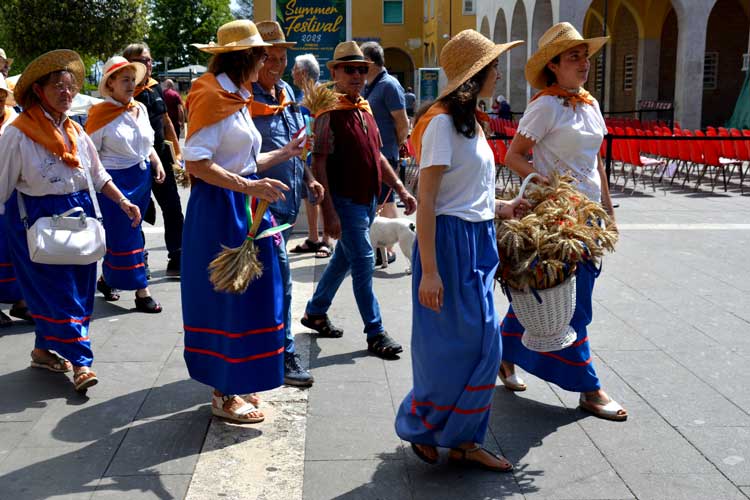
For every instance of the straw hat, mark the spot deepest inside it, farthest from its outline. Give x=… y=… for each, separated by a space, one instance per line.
x=347 y=52
x=271 y=33
x=466 y=54
x=55 y=60
x=3 y=56
x=9 y=101
x=115 y=64
x=553 y=42
x=234 y=35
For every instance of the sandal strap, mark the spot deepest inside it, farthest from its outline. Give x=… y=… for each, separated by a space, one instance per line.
x=383 y=342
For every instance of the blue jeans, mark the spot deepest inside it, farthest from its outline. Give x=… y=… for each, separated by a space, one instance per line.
x=286 y=278
x=353 y=253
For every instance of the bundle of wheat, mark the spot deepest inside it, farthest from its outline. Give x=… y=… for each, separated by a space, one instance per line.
x=181 y=176
x=319 y=96
x=562 y=229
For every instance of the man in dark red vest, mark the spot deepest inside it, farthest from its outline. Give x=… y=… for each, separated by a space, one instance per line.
x=348 y=162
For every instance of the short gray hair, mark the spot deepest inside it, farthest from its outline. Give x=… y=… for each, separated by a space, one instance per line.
x=309 y=64
x=374 y=52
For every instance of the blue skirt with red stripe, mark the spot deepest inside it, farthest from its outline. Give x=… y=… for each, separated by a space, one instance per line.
x=570 y=368
x=10 y=293
x=123 y=265
x=60 y=297
x=233 y=342
x=455 y=353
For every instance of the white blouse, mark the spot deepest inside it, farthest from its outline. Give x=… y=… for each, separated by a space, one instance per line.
x=32 y=170
x=232 y=143
x=467 y=190
x=567 y=140
x=126 y=140
x=12 y=117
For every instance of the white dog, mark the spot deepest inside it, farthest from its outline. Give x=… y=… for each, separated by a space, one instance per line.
x=386 y=232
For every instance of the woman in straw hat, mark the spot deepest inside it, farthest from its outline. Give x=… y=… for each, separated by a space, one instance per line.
x=233 y=342
x=122 y=134
x=564 y=126
x=455 y=341
x=51 y=162
x=10 y=293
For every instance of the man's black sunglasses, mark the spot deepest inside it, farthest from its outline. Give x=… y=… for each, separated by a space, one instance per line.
x=350 y=70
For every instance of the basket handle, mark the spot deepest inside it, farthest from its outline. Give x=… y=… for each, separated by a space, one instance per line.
x=524 y=184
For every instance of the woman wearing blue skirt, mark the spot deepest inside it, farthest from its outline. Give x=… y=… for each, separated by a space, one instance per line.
x=455 y=339
x=53 y=165
x=233 y=342
x=124 y=139
x=565 y=128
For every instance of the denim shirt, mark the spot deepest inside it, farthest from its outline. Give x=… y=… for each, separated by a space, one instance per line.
x=277 y=130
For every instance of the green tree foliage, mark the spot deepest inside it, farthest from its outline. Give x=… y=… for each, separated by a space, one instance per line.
x=244 y=9
x=93 y=28
x=175 y=24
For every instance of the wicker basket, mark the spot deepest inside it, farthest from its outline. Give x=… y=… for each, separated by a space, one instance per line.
x=546 y=315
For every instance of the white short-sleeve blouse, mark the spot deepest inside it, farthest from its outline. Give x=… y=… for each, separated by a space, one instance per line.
x=567 y=140
x=125 y=141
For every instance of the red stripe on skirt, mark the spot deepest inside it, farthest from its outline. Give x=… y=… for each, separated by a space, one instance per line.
x=7 y=280
x=452 y=408
x=122 y=254
x=62 y=321
x=475 y=388
x=6 y=264
x=123 y=268
x=235 y=360
x=66 y=341
x=234 y=335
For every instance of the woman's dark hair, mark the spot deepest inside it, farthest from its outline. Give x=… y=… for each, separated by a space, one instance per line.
x=238 y=64
x=548 y=74
x=462 y=102
x=32 y=98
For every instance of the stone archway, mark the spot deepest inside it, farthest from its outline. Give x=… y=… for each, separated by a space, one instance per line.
x=517 y=82
x=668 y=57
x=485 y=27
x=541 y=22
x=623 y=64
x=726 y=41
x=592 y=28
x=501 y=36
x=399 y=64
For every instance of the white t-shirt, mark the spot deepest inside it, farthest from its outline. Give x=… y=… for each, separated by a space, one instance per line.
x=467 y=190
x=567 y=140
x=126 y=140
x=232 y=143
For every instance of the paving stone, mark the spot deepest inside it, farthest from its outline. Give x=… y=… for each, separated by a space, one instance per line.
x=356 y=479
x=159 y=447
x=355 y=399
x=352 y=438
x=728 y=448
x=12 y=433
x=119 y=379
x=182 y=398
x=143 y=487
x=682 y=486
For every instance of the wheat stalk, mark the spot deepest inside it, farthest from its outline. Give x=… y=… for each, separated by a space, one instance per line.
x=319 y=96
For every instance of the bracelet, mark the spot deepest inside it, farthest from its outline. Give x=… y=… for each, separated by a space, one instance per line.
x=121 y=200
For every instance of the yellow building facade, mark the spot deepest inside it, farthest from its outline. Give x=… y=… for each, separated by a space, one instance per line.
x=412 y=32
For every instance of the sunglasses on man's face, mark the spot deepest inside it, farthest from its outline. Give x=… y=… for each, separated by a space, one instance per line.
x=350 y=70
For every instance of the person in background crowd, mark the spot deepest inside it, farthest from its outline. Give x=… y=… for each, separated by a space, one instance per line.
x=233 y=342
x=278 y=119
x=123 y=137
x=386 y=98
x=10 y=293
x=410 y=101
x=503 y=108
x=348 y=162
x=149 y=93
x=5 y=63
x=51 y=163
x=175 y=109
x=306 y=68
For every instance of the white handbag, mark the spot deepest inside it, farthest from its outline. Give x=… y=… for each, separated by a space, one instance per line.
x=68 y=238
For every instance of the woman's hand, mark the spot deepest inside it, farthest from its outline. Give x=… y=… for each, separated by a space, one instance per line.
x=158 y=171
x=511 y=209
x=267 y=189
x=431 y=291
x=132 y=211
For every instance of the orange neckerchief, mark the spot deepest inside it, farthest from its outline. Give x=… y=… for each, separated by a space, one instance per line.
x=345 y=104
x=569 y=98
x=263 y=109
x=209 y=103
x=436 y=109
x=40 y=129
x=100 y=115
x=140 y=88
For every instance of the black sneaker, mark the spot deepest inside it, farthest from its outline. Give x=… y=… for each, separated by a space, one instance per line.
x=294 y=374
x=379 y=261
x=173 y=267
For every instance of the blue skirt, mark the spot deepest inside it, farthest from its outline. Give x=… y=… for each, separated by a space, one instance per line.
x=123 y=265
x=233 y=342
x=10 y=293
x=60 y=297
x=456 y=353
x=570 y=368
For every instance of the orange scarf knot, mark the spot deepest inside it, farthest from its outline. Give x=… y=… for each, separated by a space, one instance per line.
x=263 y=109
x=146 y=86
x=37 y=127
x=568 y=98
x=208 y=103
x=345 y=104
x=102 y=114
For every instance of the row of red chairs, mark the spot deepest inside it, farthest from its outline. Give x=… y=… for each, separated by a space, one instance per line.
x=636 y=124
x=501 y=126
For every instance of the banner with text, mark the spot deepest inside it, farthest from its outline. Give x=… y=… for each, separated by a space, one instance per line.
x=316 y=25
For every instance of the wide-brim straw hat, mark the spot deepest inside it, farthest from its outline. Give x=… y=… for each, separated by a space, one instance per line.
x=347 y=53
x=9 y=100
x=55 y=60
x=4 y=56
x=232 y=36
x=115 y=64
x=272 y=33
x=466 y=54
x=555 y=41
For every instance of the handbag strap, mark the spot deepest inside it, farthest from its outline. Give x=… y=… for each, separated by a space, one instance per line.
x=92 y=194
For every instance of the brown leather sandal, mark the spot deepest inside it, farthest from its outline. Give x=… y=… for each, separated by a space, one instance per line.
x=463 y=456
x=84 y=378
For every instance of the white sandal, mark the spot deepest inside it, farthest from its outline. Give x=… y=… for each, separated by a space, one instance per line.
x=512 y=382
x=609 y=411
x=241 y=415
